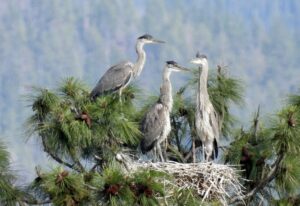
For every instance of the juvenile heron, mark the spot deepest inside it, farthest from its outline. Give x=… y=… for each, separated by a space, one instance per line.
x=206 y=117
x=156 y=124
x=117 y=77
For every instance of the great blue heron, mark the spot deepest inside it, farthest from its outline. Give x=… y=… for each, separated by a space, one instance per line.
x=156 y=124
x=206 y=117
x=119 y=76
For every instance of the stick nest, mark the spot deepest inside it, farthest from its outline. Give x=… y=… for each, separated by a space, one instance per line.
x=210 y=181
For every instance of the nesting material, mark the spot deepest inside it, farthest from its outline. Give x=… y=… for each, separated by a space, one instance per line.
x=209 y=180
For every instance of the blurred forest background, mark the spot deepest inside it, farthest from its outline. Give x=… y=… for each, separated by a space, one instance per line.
x=42 y=42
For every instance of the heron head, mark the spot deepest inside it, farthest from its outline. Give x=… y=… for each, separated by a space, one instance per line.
x=174 y=66
x=200 y=59
x=148 y=39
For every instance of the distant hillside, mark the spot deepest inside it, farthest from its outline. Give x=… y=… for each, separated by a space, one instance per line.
x=44 y=41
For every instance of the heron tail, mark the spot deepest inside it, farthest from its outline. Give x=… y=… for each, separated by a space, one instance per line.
x=93 y=95
x=146 y=146
x=216 y=148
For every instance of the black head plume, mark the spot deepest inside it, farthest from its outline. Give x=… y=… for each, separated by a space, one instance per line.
x=202 y=56
x=175 y=66
x=172 y=62
x=146 y=36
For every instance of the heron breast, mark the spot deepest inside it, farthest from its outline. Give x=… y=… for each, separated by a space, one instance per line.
x=166 y=127
x=203 y=126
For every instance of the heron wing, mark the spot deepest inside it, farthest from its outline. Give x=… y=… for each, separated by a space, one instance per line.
x=113 y=79
x=213 y=118
x=152 y=126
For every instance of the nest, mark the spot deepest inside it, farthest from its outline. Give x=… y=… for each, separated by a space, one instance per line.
x=210 y=181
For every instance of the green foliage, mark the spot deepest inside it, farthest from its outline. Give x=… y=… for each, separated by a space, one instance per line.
x=286 y=141
x=294 y=99
x=224 y=91
x=147 y=186
x=234 y=153
x=286 y=129
x=116 y=190
x=251 y=151
x=8 y=193
x=4 y=157
x=69 y=123
x=43 y=102
x=288 y=179
x=39 y=51
x=288 y=201
x=260 y=149
x=74 y=129
x=115 y=187
x=79 y=38
x=185 y=197
x=74 y=90
x=182 y=120
x=62 y=187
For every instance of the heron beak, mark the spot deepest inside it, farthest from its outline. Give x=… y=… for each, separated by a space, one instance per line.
x=195 y=61
x=180 y=68
x=157 y=41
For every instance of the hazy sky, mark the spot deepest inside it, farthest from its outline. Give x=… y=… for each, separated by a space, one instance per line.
x=42 y=42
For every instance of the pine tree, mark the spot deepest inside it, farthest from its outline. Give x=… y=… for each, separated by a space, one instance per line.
x=84 y=138
x=9 y=193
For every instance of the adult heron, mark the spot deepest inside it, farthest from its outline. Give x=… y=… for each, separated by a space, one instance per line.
x=156 y=124
x=206 y=117
x=117 y=77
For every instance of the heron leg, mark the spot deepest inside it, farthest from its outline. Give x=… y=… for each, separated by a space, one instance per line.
x=160 y=152
x=120 y=95
x=203 y=152
x=209 y=151
x=155 y=154
x=165 y=147
x=193 y=150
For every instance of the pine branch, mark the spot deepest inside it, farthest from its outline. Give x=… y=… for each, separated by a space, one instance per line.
x=188 y=156
x=56 y=158
x=34 y=202
x=271 y=176
x=268 y=179
x=76 y=160
x=256 y=122
x=99 y=162
x=176 y=133
x=94 y=167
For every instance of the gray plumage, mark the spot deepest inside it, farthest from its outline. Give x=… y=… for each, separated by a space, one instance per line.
x=114 y=79
x=117 y=77
x=206 y=117
x=153 y=126
x=156 y=124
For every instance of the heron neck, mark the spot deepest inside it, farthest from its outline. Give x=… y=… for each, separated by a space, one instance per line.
x=138 y=67
x=166 y=90
x=166 y=75
x=203 y=75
